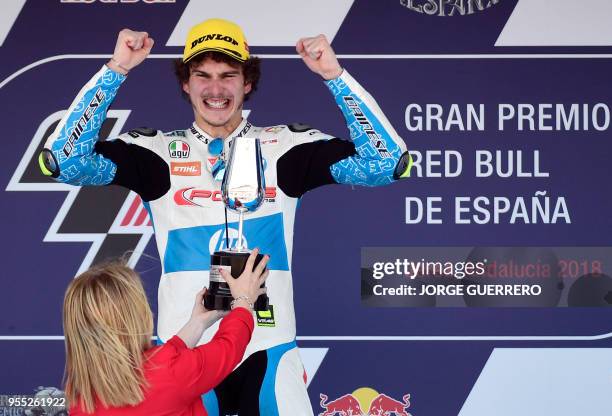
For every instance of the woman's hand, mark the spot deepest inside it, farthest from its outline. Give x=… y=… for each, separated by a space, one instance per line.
x=247 y=287
x=201 y=319
x=200 y=313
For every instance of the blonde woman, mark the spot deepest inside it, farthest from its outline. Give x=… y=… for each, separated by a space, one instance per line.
x=112 y=367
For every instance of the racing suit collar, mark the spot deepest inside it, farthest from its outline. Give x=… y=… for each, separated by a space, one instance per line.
x=204 y=137
x=216 y=164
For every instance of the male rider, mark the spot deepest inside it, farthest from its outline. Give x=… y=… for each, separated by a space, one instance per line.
x=178 y=176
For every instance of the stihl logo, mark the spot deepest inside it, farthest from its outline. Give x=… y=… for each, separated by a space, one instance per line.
x=186 y=168
x=191 y=196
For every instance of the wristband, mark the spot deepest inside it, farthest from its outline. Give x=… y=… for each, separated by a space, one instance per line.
x=119 y=65
x=244 y=298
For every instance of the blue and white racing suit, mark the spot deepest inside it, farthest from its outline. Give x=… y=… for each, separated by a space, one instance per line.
x=172 y=173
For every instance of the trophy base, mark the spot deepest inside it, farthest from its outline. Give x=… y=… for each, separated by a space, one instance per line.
x=219 y=296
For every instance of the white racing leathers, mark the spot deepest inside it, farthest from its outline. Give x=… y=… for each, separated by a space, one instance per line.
x=172 y=173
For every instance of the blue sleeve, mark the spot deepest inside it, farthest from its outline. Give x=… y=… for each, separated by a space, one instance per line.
x=381 y=156
x=69 y=155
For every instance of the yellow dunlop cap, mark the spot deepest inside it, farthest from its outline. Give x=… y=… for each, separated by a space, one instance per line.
x=216 y=35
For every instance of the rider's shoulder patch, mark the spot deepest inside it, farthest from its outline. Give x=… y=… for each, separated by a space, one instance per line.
x=176 y=133
x=274 y=129
x=142 y=131
x=299 y=127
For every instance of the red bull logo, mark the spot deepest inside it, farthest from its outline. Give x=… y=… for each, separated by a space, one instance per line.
x=377 y=404
x=346 y=405
x=383 y=405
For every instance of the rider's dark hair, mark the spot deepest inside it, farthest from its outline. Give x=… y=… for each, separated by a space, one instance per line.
x=250 y=69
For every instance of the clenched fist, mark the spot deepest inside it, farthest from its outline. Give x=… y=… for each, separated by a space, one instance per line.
x=131 y=49
x=318 y=55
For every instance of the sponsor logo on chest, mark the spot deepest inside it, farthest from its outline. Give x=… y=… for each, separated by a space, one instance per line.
x=179 y=149
x=193 y=196
x=186 y=168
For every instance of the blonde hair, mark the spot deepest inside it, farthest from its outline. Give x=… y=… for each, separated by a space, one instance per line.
x=108 y=325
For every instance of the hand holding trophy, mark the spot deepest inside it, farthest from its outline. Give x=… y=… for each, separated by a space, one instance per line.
x=243 y=191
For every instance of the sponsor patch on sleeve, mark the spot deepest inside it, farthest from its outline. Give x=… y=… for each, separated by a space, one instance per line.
x=299 y=127
x=142 y=131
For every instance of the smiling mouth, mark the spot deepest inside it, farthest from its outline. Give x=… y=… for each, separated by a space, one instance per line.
x=217 y=103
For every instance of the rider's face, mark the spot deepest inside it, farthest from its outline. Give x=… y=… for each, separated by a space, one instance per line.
x=216 y=91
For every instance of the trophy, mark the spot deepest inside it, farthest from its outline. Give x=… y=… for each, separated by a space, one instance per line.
x=243 y=191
